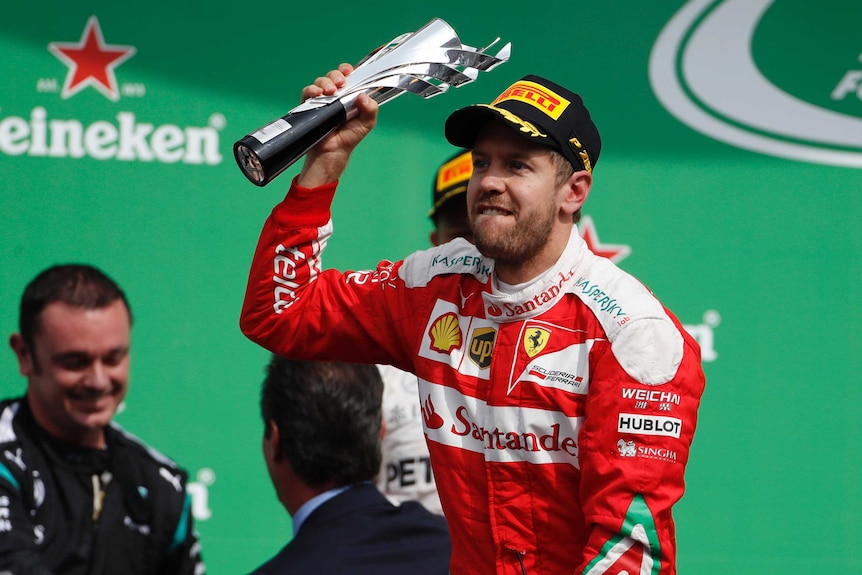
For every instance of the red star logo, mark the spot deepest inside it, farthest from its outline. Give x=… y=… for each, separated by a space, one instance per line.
x=614 y=252
x=91 y=62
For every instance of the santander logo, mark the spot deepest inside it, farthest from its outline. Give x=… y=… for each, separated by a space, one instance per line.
x=430 y=415
x=501 y=433
x=703 y=72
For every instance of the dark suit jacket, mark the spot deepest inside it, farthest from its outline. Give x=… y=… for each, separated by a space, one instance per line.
x=360 y=532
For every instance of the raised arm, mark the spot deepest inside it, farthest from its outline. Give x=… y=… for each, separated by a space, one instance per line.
x=325 y=163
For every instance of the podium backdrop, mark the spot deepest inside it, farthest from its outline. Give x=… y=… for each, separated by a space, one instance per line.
x=729 y=182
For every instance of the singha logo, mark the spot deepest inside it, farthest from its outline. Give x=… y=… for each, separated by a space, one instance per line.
x=627 y=448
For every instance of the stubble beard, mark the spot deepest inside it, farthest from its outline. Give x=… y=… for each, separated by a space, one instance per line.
x=516 y=245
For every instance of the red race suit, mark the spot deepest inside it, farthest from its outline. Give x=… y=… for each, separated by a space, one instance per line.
x=558 y=418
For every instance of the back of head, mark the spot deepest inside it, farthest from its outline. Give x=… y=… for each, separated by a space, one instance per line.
x=450 y=183
x=76 y=285
x=329 y=418
x=449 y=199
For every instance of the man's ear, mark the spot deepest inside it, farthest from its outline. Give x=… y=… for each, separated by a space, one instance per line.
x=22 y=354
x=575 y=192
x=272 y=444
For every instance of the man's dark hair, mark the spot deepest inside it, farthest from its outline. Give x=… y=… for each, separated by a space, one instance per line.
x=76 y=285
x=328 y=416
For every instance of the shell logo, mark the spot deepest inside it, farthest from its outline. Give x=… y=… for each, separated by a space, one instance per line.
x=446 y=333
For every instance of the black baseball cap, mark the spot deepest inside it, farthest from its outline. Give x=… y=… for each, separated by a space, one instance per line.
x=539 y=110
x=451 y=179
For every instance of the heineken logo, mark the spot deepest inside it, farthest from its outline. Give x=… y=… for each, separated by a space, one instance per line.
x=776 y=77
x=113 y=134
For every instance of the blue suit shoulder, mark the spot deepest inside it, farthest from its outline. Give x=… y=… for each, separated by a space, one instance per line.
x=361 y=533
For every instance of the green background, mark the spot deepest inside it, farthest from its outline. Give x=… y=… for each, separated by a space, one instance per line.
x=760 y=253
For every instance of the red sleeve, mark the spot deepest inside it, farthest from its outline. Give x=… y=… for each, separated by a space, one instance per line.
x=633 y=452
x=292 y=308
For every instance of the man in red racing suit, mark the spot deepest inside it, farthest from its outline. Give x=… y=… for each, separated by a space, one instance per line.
x=559 y=412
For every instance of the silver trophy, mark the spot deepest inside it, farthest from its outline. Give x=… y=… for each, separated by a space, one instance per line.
x=426 y=62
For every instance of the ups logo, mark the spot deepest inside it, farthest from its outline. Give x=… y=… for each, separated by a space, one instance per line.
x=481 y=346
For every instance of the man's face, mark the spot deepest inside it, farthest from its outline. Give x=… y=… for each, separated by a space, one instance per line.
x=513 y=197
x=78 y=370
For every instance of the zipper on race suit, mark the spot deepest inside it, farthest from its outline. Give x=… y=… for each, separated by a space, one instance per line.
x=520 y=553
x=100 y=486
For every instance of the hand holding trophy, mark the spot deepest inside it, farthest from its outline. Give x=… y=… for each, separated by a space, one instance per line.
x=426 y=62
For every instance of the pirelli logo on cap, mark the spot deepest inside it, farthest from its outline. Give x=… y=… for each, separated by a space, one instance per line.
x=537 y=96
x=455 y=171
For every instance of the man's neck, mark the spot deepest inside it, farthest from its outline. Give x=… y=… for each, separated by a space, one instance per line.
x=307 y=508
x=514 y=273
x=91 y=438
x=296 y=493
